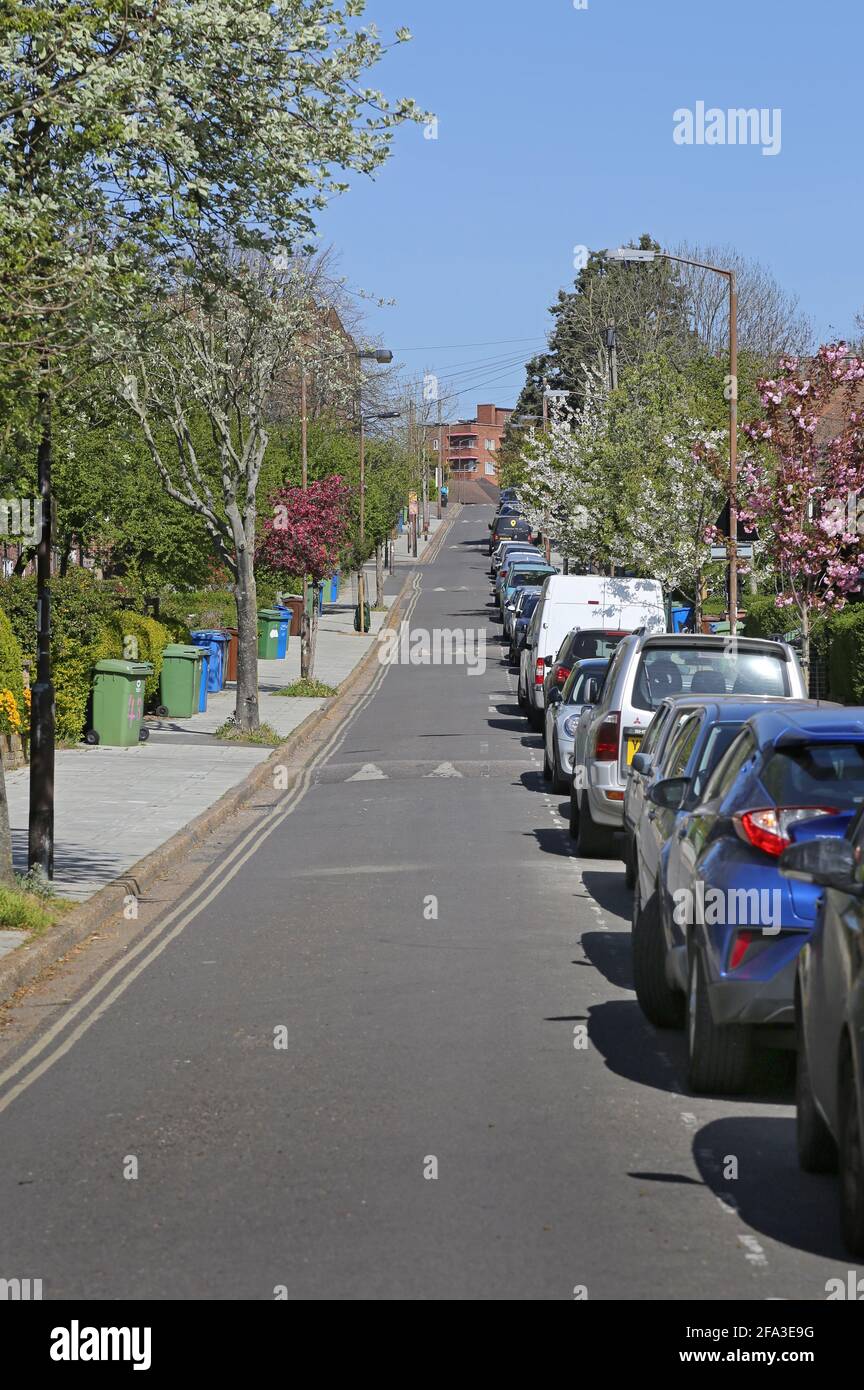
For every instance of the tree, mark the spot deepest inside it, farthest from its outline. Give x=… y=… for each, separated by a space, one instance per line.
x=796 y=485
x=305 y=533
x=770 y=322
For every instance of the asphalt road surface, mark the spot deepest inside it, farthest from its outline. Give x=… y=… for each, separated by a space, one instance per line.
x=398 y=1055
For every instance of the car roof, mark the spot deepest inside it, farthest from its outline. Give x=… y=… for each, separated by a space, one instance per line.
x=799 y=723
x=709 y=642
x=737 y=707
x=589 y=661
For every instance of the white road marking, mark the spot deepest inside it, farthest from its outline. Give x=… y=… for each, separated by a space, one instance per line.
x=368 y=773
x=444 y=770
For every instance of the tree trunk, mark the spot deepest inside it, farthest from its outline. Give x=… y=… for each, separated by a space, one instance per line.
x=6 y=872
x=246 y=715
x=805 y=646
x=379 y=577
x=305 y=639
x=313 y=638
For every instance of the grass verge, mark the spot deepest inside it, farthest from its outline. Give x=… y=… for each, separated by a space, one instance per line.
x=264 y=734
x=309 y=690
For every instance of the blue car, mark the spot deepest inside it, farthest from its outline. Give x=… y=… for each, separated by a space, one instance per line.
x=733 y=925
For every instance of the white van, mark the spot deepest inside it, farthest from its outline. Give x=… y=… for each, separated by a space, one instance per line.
x=571 y=601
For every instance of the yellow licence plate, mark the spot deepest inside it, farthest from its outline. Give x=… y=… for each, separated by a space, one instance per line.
x=632 y=747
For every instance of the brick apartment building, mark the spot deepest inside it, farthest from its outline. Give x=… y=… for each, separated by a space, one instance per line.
x=471 y=446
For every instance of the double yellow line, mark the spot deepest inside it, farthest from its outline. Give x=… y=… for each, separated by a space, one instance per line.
x=51 y=1045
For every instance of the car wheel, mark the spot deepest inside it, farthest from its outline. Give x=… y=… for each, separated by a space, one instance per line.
x=593 y=839
x=574 y=817
x=535 y=719
x=520 y=698
x=560 y=784
x=547 y=766
x=660 y=1003
x=719 y=1059
x=851 y=1163
x=817 y=1151
x=629 y=861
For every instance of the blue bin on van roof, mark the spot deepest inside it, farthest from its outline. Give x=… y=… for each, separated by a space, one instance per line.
x=216 y=643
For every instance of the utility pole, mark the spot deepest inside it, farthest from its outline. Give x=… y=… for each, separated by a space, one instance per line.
x=546 y=541
x=306 y=619
x=361 y=577
x=612 y=345
x=40 y=846
x=733 y=454
x=440 y=457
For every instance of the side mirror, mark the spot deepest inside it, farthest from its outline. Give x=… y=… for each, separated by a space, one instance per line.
x=591 y=691
x=827 y=862
x=641 y=763
x=670 y=793
x=554 y=696
x=511 y=608
x=547 y=661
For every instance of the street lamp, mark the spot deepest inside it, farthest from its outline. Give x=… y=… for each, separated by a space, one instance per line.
x=630 y=255
x=381 y=415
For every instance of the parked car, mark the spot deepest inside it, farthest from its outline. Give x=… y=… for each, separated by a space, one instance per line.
x=509 y=528
x=579 y=646
x=513 y=609
x=505 y=548
x=509 y=494
x=645 y=669
x=786 y=766
x=695 y=734
x=829 y=1019
x=572 y=601
x=564 y=709
x=522 y=572
x=512 y=557
x=528 y=598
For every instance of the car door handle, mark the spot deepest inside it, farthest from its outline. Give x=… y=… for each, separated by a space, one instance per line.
x=652 y=815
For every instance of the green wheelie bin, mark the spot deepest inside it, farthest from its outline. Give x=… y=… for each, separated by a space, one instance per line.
x=180 y=680
x=269 y=622
x=118 y=703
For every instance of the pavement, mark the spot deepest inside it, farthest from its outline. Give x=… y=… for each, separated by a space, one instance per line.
x=114 y=805
x=386 y=1046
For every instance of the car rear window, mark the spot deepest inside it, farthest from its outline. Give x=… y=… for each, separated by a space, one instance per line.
x=666 y=671
x=575 y=683
x=529 y=603
x=524 y=577
x=584 y=645
x=816 y=774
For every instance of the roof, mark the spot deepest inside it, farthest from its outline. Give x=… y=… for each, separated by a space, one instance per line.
x=799 y=722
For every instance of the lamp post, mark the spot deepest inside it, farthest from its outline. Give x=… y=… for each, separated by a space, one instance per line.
x=631 y=255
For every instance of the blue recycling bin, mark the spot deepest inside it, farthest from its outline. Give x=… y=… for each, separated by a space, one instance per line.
x=680 y=618
x=284 y=629
x=321 y=597
x=202 y=692
x=334 y=587
x=214 y=641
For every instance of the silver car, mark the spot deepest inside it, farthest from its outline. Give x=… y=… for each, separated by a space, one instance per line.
x=563 y=711
x=645 y=670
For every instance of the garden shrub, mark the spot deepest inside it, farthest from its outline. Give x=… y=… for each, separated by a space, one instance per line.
x=846 y=655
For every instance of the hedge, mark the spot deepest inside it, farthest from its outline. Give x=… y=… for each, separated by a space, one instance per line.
x=846 y=656
x=87 y=625
x=11 y=669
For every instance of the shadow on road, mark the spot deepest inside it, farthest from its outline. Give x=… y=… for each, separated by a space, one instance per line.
x=610 y=891
x=772 y=1194
x=610 y=953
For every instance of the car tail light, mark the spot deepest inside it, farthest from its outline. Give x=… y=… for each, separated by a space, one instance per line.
x=539 y=671
x=606 y=739
x=743 y=941
x=768 y=829
x=561 y=674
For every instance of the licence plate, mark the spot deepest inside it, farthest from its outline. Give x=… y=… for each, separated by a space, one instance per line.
x=632 y=746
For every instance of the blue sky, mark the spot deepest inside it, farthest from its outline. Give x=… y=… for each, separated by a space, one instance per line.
x=555 y=130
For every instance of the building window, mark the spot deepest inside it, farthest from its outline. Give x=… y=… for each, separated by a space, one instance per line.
x=490 y=468
x=490 y=446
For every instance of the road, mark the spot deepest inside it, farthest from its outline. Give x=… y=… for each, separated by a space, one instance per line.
x=435 y=958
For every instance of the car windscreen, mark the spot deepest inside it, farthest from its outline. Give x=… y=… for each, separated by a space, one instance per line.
x=816 y=774
x=527 y=606
x=523 y=577
x=692 y=670
x=574 y=686
x=718 y=740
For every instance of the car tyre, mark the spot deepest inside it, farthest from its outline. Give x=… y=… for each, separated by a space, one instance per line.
x=592 y=840
x=719 y=1058
x=660 y=1003
x=547 y=766
x=560 y=784
x=535 y=719
x=851 y=1162
x=629 y=861
x=817 y=1151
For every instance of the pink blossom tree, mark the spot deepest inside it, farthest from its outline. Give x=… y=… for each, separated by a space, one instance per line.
x=799 y=486
x=305 y=535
